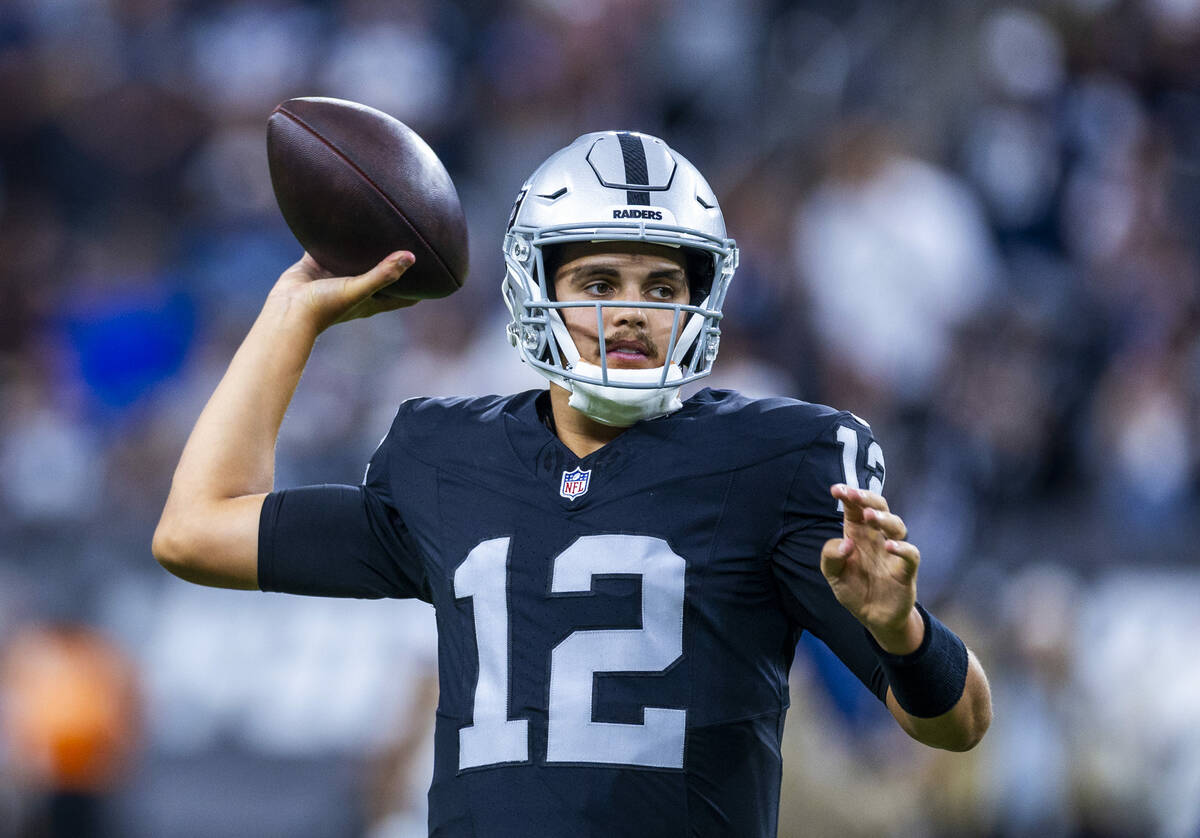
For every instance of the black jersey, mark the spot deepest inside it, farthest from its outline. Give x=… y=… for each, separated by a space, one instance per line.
x=614 y=632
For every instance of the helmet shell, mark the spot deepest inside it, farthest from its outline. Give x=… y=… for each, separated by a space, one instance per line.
x=605 y=172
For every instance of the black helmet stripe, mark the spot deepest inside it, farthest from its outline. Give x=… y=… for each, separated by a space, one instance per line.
x=634 y=154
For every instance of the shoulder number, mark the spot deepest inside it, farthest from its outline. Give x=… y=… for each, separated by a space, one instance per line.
x=572 y=737
x=847 y=437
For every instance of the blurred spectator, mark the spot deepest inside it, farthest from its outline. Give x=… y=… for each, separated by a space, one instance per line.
x=1033 y=756
x=71 y=723
x=894 y=254
x=51 y=470
x=1143 y=441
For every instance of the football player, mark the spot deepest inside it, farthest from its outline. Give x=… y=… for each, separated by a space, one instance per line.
x=619 y=577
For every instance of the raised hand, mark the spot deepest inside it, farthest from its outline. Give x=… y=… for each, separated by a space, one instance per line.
x=330 y=299
x=873 y=570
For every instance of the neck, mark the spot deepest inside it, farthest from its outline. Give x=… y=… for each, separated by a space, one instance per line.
x=578 y=432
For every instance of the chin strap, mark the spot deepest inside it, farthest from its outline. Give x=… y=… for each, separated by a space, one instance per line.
x=623 y=406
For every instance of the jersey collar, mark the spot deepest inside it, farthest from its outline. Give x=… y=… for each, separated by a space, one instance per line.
x=544 y=456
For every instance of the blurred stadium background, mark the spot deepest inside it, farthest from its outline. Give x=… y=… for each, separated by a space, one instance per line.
x=974 y=223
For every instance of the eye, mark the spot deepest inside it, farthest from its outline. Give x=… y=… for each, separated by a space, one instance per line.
x=598 y=287
x=663 y=292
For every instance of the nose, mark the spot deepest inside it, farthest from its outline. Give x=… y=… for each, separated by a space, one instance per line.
x=632 y=316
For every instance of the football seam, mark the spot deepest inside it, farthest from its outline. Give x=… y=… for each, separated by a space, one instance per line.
x=375 y=186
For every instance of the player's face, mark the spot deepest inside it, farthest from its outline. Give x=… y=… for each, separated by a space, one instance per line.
x=634 y=338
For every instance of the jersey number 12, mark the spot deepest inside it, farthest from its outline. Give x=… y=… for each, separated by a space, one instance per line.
x=847 y=437
x=572 y=736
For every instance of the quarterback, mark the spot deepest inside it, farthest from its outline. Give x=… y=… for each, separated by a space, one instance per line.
x=619 y=576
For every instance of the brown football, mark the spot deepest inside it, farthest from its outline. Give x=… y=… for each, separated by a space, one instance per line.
x=355 y=184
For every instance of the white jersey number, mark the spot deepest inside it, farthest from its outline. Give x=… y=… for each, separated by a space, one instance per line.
x=493 y=738
x=572 y=735
x=847 y=437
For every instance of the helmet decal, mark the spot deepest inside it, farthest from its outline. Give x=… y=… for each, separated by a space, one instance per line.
x=628 y=164
x=512 y=216
x=633 y=154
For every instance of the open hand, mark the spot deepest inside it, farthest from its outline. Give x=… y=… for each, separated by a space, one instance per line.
x=873 y=570
x=330 y=299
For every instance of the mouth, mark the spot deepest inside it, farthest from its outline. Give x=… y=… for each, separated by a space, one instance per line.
x=627 y=350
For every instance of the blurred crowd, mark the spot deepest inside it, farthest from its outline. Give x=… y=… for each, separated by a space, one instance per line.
x=975 y=224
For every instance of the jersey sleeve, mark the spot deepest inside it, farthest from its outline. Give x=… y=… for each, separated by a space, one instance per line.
x=844 y=452
x=340 y=541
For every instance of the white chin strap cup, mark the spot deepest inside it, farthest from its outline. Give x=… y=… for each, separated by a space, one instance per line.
x=623 y=406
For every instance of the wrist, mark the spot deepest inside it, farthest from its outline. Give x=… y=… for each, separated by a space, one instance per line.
x=902 y=639
x=930 y=680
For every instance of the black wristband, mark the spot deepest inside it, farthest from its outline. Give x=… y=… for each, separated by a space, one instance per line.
x=929 y=681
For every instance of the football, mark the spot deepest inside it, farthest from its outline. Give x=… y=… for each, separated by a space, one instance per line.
x=355 y=184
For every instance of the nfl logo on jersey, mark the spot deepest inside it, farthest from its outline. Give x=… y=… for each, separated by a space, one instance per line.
x=575 y=483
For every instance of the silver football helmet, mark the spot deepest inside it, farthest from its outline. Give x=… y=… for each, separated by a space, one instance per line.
x=616 y=186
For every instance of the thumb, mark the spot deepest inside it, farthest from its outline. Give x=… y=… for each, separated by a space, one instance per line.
x=833 y=557
x=382 y=275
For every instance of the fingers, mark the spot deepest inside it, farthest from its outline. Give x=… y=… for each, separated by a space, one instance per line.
x=382 y=275
x=312 y=267
x=903 y=550
x=860 y=498
x=888 y=523
x=833 y=556
x=393 y=303
x=870 y=509
x=307 y=269
x=376 y=304
x=836 y=551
